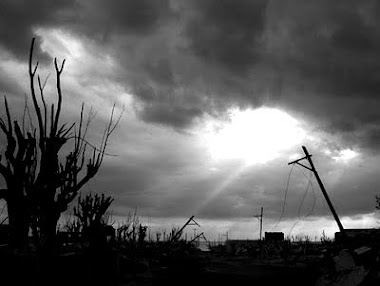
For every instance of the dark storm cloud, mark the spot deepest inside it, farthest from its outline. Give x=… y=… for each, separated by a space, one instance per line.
x=327 y=54
x=176 y=116
x=187 y=58
x=163 y=106
x=102 y=19
x=19 y=18
x=99 y=21
x=93 y=18
x=160 y=71
x=227 y=32
x=340 y=52
x=316 y=57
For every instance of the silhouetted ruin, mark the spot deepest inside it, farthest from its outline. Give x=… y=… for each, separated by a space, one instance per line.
x=274 y=236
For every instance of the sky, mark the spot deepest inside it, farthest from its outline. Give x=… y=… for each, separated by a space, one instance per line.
x=218 y=97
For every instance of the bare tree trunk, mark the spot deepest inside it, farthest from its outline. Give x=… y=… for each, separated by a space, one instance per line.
x=48 y=231
x=19 y=217
x=19 y=226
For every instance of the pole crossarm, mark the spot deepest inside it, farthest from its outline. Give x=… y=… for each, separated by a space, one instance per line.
x=193 y=222
x=296 y=161
x=302 y=165
x=198 y=236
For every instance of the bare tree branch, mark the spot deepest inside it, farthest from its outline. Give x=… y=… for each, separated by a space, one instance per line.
x=32 y=90
x=59 y=91
x=41 y=87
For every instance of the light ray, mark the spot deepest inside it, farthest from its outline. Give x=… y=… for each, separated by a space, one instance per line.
x=220 y=188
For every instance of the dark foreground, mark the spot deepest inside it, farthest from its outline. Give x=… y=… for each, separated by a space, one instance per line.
x=232 y=270
x=168 y=265
x=201 y=269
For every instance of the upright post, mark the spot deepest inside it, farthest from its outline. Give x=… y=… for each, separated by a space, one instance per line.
x=261 y=222
x=260 y=217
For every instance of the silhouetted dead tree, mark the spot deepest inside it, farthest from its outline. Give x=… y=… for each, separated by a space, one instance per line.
x=40 y=185
x=19 y=171
x=91 y=209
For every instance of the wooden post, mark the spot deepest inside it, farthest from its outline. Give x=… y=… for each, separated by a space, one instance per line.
x=261 y=222
x=260 y=217
x=322 y=187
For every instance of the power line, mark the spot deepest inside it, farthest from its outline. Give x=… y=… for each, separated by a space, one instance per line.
x=310 y=184
x=314 y=201
x=285 y=195
x=303 y=199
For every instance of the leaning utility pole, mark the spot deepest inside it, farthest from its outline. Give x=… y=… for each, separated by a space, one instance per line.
x=312 y=168
x=260 y=217
x=178 y=234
